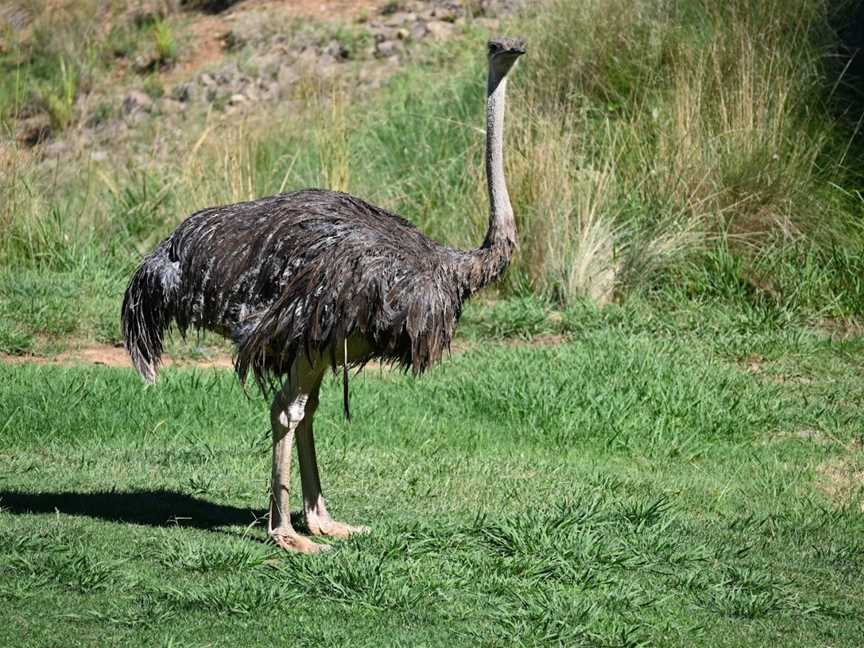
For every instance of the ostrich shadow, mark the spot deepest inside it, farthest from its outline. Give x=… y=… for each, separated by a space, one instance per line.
x=156 y=508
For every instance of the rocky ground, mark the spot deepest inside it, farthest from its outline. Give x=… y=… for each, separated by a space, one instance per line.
x=238 y=57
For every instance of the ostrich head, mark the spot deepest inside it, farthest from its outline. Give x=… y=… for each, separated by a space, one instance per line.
x=503 y=54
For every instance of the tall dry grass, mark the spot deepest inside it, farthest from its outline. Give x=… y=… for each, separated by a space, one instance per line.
x=122 y=206
x=648 y=130
x=642 y=135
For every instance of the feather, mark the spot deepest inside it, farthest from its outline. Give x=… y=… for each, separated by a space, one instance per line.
x=295 y=273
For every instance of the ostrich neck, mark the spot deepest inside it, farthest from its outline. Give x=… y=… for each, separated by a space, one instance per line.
x=483 y=265
x=502 y=227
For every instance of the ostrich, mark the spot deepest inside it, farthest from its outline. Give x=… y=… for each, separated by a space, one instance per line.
x=311 y=280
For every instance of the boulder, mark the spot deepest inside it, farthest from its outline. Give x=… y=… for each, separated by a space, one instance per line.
x=287 y=76
x=419 y=30
x=142 y=13
x=336 y=50
x=387 y=48
x=183 y=92
x=169 y=106
x=143 y=64
x=440 y=30
x=267 y=63
x=56 y=149
x=227 y=74
x=251 y=93
x=34 y=130
x=136 y=102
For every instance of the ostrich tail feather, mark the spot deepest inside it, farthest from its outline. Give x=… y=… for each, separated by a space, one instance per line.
x=148 y=309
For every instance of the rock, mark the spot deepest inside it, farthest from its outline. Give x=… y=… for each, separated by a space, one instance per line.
x=419 y=30
x=227 y=74
x=387 y=48
x=336 y=50
x=136 y=102
x=237 y=99
x=34 y=130
x=271 y=93
x=168 y=106
x=249 y=28
x=498 y=8
x=392 y=7
x=447 y=14
x=183 y=92
x=287 y=76
x=267 y=63
x=113 y=131
x=207 y=80
x=98 y=155
x=14 y=18
x=440 y=30
x=251 y=93
x=326 y=62
x=234 y=40
x=135 y=118
x=145 y=12
x=56 y=149
x=307 y=57
x=144 y=64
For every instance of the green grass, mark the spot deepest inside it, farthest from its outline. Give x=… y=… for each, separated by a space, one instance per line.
x=639 y=485
x=685 y=469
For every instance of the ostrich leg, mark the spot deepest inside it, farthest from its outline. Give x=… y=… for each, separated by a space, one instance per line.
x=287 y=415
x=318 y=520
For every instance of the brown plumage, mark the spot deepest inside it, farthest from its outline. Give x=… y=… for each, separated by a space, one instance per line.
x=297 y=275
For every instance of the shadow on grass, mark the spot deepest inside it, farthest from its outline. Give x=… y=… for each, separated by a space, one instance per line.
x=159 y=508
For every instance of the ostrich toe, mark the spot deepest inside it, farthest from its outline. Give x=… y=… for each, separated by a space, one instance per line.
x=324 y=527
x=296 y=543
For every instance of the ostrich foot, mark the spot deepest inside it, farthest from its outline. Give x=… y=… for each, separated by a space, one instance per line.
x=294 y=542
x=326 y=527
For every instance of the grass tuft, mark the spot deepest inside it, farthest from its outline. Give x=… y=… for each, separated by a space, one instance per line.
x=164 y=42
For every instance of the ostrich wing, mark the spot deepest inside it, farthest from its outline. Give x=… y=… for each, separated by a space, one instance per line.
x=299 y=272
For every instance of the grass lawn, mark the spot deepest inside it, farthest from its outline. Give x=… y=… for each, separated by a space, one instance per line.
x=624 y=488
x=675 y=473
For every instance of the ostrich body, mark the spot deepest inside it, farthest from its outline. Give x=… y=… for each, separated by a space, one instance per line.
x=311 y=280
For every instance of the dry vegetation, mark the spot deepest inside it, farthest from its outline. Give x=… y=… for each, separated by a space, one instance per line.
x=666 y=128
x=676 y=149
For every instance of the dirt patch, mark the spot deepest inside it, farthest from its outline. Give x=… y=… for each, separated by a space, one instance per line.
x=110 y=356
x=840 y=328
x=209 y=32
x=842 y=478
x=313 y=8
x=812 y=436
